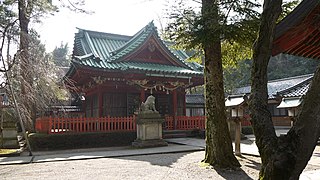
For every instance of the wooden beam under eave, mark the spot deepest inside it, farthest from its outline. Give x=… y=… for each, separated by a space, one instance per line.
x=304 y=46
x=316 y=55
x=291 y=40
x=300 y=50
x=309 y=50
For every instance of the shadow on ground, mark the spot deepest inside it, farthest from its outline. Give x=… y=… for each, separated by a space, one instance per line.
x=247 y=141
x=248 y=164
x=155 y=159
x=233 y=174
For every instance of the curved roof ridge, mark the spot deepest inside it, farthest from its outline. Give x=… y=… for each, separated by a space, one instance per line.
x=136 y=40
x=147 y=30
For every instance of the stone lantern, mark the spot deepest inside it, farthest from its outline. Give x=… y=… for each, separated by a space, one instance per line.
x=235 y=105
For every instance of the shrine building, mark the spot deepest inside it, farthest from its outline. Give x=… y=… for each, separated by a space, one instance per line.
x=115 y=73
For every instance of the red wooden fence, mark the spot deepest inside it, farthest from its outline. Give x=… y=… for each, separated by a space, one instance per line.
x=53 y=125
x=184 y=122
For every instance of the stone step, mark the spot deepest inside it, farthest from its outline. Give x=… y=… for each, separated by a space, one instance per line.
x=176 y=133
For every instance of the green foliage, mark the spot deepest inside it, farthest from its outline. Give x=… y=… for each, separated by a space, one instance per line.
x=237 y=76
x=6 y=13
x=287 y=8
x=238 y=23
x=284 y=65
x=281 y=66
x=234 y=52
x=238 y=27
x=60 y=57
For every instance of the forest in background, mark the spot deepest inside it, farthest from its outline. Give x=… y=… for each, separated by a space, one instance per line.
x=281 y=66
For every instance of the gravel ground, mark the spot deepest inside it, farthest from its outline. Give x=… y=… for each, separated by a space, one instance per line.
x=161 y=166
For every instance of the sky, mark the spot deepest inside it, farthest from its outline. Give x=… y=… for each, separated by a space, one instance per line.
x=124 y=17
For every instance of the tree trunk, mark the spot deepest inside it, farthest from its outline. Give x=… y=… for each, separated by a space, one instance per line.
x=284 y=157
x=26 y=78
x=219 y=151
x=266 y=138
x=306 y=130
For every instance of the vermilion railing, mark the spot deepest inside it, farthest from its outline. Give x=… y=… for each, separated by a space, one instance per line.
x=169 y=123
x=190 y=122
x=52 y=125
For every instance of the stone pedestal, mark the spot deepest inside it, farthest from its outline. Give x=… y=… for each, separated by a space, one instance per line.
x=149 y=130
x=9 y=136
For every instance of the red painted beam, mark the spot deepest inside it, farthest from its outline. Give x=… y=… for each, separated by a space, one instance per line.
x=291 y=40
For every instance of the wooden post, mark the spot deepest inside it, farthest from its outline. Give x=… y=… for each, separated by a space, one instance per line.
x=237 y=137
x=175 y=108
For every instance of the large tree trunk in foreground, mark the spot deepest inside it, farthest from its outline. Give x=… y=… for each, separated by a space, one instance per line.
x=219 y=151
x=26 y=81
x=306 y=131
x=283 y=157
x=266 y=138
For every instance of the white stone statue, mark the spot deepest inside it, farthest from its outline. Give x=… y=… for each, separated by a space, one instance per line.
x=149 y=106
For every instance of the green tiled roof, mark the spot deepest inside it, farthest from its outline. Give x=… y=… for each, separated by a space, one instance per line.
x=135 y=67
x=106 y=51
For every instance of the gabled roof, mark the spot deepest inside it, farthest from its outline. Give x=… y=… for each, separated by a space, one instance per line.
x=277 y=85
x=112 y=52
x=298 y=33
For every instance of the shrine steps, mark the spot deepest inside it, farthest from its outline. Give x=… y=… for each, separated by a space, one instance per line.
x=179 y=133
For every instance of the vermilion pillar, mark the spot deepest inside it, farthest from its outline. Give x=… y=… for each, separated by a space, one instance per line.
x=175 y=107
x=184 y=103
x=100 y=100
x=142 y=95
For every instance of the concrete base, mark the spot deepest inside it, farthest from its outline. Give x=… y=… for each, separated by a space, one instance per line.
x=149 y=143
